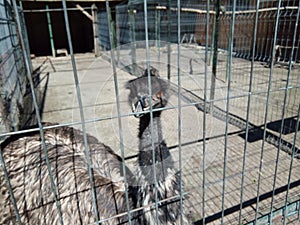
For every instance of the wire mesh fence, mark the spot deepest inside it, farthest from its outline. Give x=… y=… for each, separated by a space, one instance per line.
x=13 y=81
x=190 y=116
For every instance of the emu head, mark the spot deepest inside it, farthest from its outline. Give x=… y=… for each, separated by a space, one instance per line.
x=139 y=97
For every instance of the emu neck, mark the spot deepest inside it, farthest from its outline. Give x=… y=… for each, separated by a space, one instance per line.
x=162 y=157
x=146 y=136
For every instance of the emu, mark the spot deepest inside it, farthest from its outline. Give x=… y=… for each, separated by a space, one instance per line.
x=168 y=181
x=30 y=181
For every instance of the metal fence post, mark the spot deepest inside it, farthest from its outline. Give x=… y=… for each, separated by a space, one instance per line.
x=169 y=39
x=95 y=30
x=215 y=53
x=50 y=31
x=132 y=12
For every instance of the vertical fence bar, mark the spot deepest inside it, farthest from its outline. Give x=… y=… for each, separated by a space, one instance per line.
x=132 y=39
x=118 y=36
x=36 y=107
x=114 y=68
x=266 y=112
x=282 y=119
x=78 y=92
x=267 y=40
x=291 y=164
x=169 y=39
x=179 y=106
x=228 y=106
x=248 y=108
x=151 y=108
x=157 y=32
x=204 y=112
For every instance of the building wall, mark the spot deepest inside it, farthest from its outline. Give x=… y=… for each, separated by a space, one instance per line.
x=16 y=108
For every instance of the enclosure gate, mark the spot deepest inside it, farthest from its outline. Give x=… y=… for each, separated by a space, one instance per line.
x=234 y=77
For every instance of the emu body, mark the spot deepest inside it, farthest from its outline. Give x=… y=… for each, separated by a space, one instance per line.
x=30 y=180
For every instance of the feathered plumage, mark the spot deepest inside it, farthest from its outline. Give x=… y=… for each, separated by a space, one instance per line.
x=30 y=180
x=29 y=177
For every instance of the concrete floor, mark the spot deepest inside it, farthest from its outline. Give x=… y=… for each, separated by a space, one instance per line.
x=99 y=108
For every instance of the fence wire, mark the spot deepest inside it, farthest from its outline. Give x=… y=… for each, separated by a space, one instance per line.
x=231 y=125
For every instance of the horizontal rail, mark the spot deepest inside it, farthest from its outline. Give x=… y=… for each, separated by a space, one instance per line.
x=54 y=10
x=201 y=11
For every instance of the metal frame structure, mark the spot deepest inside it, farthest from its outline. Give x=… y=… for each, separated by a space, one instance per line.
x=259 y=106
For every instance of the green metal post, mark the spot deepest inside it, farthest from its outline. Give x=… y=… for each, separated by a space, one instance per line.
x=212 y=39
x=215 y=53
x=50 y=31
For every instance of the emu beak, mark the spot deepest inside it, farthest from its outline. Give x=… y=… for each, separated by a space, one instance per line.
x=143 y=104
x=137 y=109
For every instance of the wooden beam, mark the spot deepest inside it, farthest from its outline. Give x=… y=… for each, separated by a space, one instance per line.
x=200 y=11
x=85 y=12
